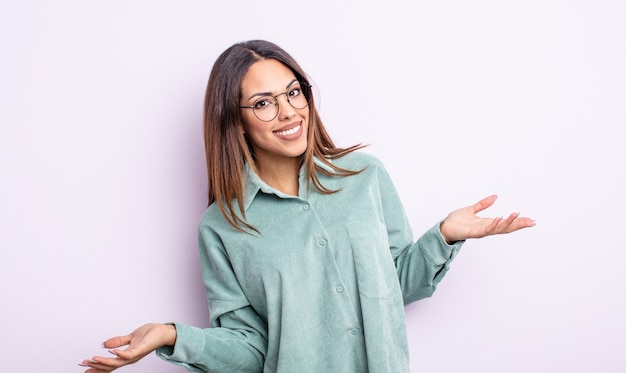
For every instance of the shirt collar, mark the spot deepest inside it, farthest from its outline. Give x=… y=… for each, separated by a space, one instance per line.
x=253 y=184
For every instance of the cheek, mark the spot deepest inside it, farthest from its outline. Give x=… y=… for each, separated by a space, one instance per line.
x=307 y=120
x=254 y=130
x=248 y=125
x=255 y=133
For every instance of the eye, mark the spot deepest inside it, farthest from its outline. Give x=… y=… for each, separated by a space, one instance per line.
x=295 y=92
x=263 y=103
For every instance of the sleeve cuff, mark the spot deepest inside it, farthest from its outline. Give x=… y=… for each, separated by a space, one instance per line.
x=189 y=340
x=435 y=247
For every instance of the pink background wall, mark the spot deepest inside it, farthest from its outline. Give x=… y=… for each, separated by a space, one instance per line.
x=102 y=171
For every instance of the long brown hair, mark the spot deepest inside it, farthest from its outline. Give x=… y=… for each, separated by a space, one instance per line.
x=227 y=150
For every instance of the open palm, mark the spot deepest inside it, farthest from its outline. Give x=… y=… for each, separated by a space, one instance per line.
x=464 y=223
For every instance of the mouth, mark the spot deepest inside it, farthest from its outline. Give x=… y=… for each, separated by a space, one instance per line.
x=289 y=131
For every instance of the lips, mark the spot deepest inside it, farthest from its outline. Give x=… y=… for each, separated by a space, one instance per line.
x=290 y=131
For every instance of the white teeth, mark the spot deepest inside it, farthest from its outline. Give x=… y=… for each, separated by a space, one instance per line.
x=288 y=132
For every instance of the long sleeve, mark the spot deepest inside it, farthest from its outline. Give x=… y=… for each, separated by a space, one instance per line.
x=421 y=265
x=237 y=338
x=322 y=288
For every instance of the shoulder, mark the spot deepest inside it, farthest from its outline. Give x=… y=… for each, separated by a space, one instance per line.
x=212 y=219
x=357 y=160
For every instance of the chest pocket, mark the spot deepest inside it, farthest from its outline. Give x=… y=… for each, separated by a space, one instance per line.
x=375 y=269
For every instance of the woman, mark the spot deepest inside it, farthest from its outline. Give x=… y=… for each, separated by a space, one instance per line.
x=306 y=253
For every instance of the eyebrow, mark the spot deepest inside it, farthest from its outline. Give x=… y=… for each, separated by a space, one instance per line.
x=270 y=93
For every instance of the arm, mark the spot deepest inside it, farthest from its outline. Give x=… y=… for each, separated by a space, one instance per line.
x=237 y=338
x=235 y=346
x=140 y=342
x=236 y=342
x=230 y=348
x=420 y=264
x=423 y=264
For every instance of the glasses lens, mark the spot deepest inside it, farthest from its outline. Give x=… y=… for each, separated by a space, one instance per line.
x=266 y=108
x=297 y=95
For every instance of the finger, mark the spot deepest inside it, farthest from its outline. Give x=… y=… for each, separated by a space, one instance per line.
x=87 y=363
x=94 y=367
x=483 y=203
x=491 y=228
x=98 y=370
x=505 y=224
x=521 y=223
x=117 y=341
x=106 y=363
x=127 y=354
x=525 y=222
x=513 y=223
x=94 y=370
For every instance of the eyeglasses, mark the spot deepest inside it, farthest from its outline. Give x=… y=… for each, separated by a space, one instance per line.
x=266 y=107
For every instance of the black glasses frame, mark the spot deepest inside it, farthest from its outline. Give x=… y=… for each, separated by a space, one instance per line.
x=306 y=89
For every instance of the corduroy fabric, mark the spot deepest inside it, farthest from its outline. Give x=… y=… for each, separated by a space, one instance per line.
x=322 y=288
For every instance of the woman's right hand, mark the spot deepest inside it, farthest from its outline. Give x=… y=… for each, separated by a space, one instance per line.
x=141 y=342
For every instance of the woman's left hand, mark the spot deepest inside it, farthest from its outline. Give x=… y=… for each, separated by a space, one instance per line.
x=463 y=223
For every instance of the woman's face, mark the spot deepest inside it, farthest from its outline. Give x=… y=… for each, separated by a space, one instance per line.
x=285 y=136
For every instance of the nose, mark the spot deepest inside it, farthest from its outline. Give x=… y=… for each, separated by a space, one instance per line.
x=285 y=110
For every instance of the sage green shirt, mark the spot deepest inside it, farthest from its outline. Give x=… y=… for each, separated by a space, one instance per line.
x=322 y=288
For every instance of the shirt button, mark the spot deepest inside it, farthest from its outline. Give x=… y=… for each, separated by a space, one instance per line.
x=322 y=242
x=354 y=331
x=339 y=289
x=305 y=207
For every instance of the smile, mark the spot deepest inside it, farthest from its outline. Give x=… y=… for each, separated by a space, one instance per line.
x=288 y=132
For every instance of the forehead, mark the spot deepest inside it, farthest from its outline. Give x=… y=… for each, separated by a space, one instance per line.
x=266 y=76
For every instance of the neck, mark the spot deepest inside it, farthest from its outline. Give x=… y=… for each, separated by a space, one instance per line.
x=282 y=176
